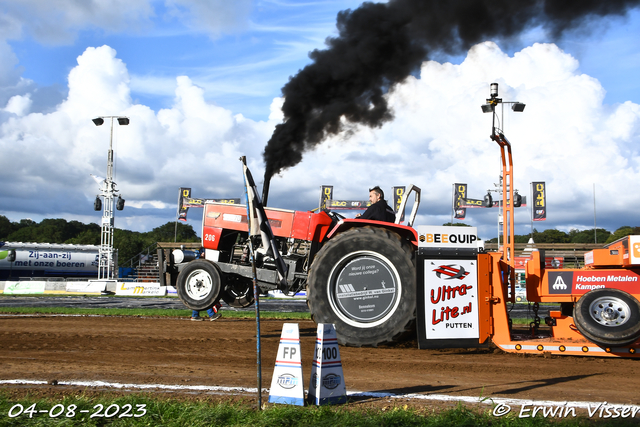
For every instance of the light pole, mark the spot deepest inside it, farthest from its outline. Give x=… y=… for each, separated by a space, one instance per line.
x=506 y=176
x=106 y=265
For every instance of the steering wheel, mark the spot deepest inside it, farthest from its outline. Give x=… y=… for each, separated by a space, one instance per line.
x=334 y=215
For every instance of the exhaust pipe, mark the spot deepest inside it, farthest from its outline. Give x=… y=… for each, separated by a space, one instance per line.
x=265 y=189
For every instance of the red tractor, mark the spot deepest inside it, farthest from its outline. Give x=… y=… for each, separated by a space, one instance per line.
x=359 y=274
x=376 y=281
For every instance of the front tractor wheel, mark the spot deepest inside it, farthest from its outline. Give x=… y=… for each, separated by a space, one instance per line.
x=198 y=285
x=364 y=282
x=608 y=317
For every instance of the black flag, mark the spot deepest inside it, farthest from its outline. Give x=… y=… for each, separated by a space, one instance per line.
x=259 y=224
x=459 y=195
x=539 y=201
x=185 y=193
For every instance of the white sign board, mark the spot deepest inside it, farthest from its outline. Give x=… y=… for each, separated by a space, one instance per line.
x=89 y=287
x=26 y=287
x=140 y=289
x=451 y=298
x=447 y=237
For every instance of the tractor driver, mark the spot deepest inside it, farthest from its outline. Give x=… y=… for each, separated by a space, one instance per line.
x=379 y=209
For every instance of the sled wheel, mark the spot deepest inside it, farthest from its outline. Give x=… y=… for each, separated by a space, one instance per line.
x=608 y=317
x=198 y=285
x=239 y=293
x=363 y=281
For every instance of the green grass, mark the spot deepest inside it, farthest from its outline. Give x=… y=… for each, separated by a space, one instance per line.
x=149 y=312
x=169 y=312
x=166 y=412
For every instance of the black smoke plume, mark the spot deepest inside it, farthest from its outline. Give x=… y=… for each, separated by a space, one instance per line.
x=380 y=44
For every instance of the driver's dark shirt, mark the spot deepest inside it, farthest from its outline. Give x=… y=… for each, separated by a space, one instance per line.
x=379 y=211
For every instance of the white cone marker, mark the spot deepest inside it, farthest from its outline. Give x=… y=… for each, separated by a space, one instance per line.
x=287 y=386
x=327 y=380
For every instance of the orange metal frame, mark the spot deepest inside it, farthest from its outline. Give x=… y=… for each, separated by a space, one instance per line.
x=496 y=283
x=561 y=338
x=508 y=255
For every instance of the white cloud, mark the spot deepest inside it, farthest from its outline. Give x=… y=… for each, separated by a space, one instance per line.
x=57 y=21
x=99 y=81
x=49 y=157
x=211 y=16
x=439 y=136
x=565 y=136
x=18 y=105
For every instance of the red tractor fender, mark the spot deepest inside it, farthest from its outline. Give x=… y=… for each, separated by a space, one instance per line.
x=404 y=231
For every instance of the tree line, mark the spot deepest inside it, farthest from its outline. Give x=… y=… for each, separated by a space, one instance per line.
x=128 y=243
x=131 y=243
x=575 y=236
x=552 y=235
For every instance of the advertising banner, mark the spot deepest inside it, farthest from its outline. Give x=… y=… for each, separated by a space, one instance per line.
x=581 y=282
x=472 y=203
x=433 y=236
x=539 y=201
x=326 y=194
x=348 y=204
x=185 y=201
x=451 y=299
x=26 y=287
x=199 y=203
x=398 y=193
x=52 y=259
x=185 y=193
x=459 y=194
x=89 y=287
x=140 y=289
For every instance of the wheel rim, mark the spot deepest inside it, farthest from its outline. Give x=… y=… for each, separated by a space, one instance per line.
x=364 y=289
x=609 y=311
x=239 y=294
x=199 y=285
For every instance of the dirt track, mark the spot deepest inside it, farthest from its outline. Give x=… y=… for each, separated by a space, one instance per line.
x=223 y=353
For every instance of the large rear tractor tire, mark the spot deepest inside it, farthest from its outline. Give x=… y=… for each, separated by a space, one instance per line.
x=198 y=285
x=364 y=282
x=608 y=317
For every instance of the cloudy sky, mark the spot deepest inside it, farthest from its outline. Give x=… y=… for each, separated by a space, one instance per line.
x=201 y=82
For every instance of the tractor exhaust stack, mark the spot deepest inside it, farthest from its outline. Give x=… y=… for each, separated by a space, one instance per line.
x=265 y=190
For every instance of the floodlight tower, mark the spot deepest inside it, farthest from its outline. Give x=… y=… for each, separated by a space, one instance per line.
x=106 y=266
x=509 y=199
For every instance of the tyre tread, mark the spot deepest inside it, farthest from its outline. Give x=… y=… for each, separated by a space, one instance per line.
x=357 y=235
x=603 y=335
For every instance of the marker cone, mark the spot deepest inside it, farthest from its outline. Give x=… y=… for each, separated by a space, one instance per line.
x=287 y=386
x=327 y=380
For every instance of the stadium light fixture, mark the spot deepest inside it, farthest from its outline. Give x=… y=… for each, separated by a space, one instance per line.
x=497 y=135
x=106 y=265
x=493 y=90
